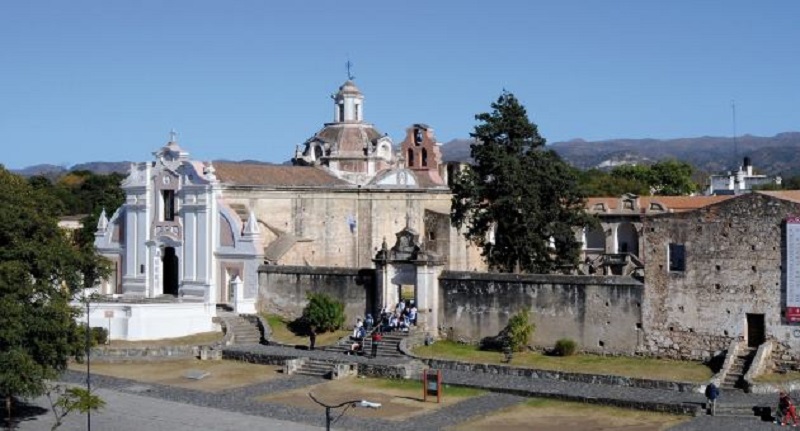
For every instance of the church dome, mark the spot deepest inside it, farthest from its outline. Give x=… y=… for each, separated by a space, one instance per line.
x=349 y=88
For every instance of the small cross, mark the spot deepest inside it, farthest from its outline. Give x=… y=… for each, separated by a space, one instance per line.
x=349 y=65
x=173 y=136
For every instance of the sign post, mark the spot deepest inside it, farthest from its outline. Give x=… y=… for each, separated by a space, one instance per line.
x=432 y=384
x=109 y=314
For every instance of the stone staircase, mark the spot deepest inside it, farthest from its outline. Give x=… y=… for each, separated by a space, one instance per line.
x=759 y=413
x=734 y=379
x=316 y=367
x=243 y=330
x=388 y=348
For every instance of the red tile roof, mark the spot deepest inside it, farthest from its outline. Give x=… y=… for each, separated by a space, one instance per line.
x=243 y=174
x=673 y=203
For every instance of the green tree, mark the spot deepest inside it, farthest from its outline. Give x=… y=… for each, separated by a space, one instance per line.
x=596 y=183
x=40 y=270
x=672 y=178
x=519 y=202
x=323 y=313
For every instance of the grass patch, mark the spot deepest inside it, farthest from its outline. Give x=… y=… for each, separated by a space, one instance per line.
x=190 y=340
x=282 y=334
x=554 y=415
x=637 y=367
x=779 y=378
x=223 y=374
x=415 y=387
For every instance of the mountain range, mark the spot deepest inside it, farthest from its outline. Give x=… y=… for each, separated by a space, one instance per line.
x=775 y=155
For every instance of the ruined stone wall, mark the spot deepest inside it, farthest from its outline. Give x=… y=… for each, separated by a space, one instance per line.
x=602 y=314
x=734 y=260
x=283 y=289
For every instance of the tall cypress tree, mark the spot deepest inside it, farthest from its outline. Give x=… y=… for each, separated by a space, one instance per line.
x=518 y=201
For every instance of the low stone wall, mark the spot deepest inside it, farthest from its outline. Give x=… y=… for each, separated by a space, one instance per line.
x=110 y=354
x=365 y=366
x=256 y=358
x=531 y=373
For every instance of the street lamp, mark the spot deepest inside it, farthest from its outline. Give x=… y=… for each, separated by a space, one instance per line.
x=353 y=403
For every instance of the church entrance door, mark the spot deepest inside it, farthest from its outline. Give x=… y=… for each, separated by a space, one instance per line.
x=756 y=332
x=170 y=271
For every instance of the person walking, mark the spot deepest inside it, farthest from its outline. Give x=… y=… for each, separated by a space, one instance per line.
x=712 y=393
x=786 y=410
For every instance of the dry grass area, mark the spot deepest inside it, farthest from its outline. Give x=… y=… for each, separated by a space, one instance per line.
x=779 y=378
x=203 y=338
x=223 y=374
x=282 y=334
x=551 y=415
x=645 y=368
x=400 y=399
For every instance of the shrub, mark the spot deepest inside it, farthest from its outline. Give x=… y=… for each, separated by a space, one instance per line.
x=323 y=313
x=519 y=330
x=565 y=347
x=97 y=335
x=514 y=336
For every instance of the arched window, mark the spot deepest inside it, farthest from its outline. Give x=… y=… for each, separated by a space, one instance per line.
x=424 y=157
x=410 y=158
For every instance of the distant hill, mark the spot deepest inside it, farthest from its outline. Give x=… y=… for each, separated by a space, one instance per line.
x=54 y=171
x=774 y=155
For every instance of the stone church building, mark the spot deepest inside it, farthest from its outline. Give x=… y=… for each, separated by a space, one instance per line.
x=199 y=231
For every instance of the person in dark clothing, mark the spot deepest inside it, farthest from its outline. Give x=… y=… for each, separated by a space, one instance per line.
x=712 y=393
x=312 y=338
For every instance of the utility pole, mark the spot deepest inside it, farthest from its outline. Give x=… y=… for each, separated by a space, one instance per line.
x=88 y=361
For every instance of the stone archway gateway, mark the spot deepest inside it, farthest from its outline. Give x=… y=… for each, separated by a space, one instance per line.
x=403 y=267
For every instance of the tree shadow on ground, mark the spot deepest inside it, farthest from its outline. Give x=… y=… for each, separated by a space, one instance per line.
x=21 y=411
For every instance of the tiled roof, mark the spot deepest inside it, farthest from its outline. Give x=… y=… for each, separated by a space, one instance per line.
x=673 y=203
x=787 y=195
x=243 y=174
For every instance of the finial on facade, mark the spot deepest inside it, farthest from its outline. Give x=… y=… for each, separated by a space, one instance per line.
x=349 y=66
x=251 y=227
x=102 y=221
x=173 y=136
x=384 y=246
x=210 y=172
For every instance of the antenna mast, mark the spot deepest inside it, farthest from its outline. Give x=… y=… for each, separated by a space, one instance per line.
x=735 y=145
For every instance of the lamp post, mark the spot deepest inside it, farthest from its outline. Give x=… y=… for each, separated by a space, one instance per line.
x=87 y=300
x=352 y=403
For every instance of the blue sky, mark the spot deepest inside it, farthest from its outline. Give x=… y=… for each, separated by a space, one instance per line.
x=107 y=80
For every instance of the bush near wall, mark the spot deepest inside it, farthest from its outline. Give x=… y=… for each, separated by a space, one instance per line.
x=565 y=347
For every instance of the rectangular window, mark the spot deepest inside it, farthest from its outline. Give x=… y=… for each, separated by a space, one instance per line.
x=677 y=257
x=169 y=205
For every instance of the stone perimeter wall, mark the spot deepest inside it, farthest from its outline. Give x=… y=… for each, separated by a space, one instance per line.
x=601 y=313
x=283 y=289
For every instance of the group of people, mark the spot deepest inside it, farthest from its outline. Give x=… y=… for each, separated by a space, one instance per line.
x=786 y=408
x=401 y=318
x=360 y=331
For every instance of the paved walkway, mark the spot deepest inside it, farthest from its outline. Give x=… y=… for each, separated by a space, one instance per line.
x=506 y=390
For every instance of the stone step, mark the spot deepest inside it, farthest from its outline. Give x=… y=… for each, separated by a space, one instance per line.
x=739 y=410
